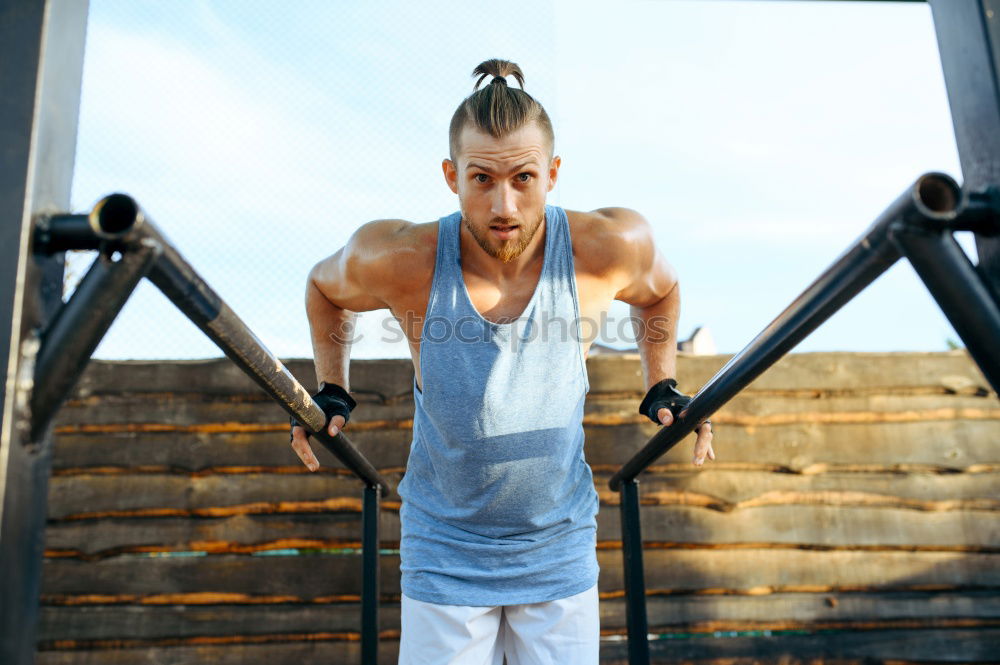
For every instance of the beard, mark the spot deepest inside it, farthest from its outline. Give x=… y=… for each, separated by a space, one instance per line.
x=507 y=250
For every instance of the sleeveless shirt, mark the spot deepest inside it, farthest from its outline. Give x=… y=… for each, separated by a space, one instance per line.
x=499 y=505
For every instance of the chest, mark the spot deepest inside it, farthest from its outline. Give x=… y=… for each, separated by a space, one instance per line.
x=501 y=301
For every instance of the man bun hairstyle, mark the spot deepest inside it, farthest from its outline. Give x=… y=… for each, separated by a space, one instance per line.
x=497 y=109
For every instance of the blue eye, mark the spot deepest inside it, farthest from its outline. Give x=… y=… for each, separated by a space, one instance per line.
x=524 y=177
x=481 y=175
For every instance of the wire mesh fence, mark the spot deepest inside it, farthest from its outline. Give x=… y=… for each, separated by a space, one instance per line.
x=260 y=135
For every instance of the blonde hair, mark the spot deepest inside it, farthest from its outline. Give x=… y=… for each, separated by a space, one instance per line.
x=497 y=109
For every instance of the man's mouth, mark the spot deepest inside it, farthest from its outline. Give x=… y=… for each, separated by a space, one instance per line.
x=504 y=231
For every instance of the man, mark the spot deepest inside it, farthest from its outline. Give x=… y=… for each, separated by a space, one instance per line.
x=497 y=549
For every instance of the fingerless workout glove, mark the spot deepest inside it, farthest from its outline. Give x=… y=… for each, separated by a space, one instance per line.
x=663 y=394
x=334 y=400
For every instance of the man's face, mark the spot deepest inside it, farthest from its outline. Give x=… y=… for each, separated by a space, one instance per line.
x=501 y=186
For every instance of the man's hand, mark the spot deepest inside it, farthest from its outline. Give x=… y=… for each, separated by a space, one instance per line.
x=662 y=400
x=703 y=446
x=337 y=404
x=300 y=441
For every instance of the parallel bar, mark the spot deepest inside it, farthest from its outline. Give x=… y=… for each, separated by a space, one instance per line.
x=80 y=324
x=871 y=255
x=635 y=580
x=121 y=223
x=370 y=511
x=958 y=290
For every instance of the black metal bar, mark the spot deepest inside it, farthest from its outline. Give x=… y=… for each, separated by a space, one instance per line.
x=934 y=196
x=968 y=35
x=370 y=511
x=120 y=223
x=81 y=323
x=635 y=577
x=958 y=289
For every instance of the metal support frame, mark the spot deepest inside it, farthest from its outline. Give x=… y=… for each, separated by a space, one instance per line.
x=41 y=66
x=635 y=575
x=81 y=323
x=370 y=511
x=118 y=223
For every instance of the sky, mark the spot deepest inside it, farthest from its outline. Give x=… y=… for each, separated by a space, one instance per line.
x=759 y=139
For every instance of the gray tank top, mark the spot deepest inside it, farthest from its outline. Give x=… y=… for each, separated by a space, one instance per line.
x=499 y=505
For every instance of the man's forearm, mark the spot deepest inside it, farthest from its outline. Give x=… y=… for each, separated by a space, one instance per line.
x=656 y=337
x=332 y=331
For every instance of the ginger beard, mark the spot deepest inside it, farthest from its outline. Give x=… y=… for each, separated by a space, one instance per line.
x=506 y=250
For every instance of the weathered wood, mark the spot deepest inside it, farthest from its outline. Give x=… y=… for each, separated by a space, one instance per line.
x=146 y=622
x=386 y=378
x=744 y=571
x=952 y=370
x=723 y=491
x=294 y=650
x=187 y=410
x=668 y=613
x=944 y=444
x=777 y=526
x=900 y=647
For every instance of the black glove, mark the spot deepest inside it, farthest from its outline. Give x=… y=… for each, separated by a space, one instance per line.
x=665 y=395
x=334 y=400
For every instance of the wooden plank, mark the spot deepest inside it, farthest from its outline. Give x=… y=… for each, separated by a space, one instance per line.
x=147 y=622
x=805 y=447
x=719 y=490
x=618 y=373
x=802 y=611
x=900 y=647
x=678 y=526
x=740 y=571
x=295 y=650
x=796 y=448
x=748 y=409
x=219 y=376
x=798 y=611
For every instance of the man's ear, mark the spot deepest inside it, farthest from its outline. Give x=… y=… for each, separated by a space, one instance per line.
x=450 y=174
x=554 y=171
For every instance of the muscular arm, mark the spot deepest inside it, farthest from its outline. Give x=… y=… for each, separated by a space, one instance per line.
x=358 y=278
x=650 y=286
x=355 y=279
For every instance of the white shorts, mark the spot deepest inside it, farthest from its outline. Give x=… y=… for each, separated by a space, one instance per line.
x=560 y=631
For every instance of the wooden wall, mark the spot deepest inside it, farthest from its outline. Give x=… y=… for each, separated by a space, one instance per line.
x=852 y=515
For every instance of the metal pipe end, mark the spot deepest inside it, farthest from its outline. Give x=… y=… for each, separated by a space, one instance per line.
x=115 y=216
x=937 y=195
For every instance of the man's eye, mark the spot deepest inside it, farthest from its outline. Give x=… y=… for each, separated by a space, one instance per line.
x=524 y=177
x=481 y=177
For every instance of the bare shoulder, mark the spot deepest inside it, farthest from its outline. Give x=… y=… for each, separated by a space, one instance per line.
x=607 y=240
x=380 y=258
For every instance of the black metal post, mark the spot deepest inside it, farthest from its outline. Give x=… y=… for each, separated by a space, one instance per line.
x=370 y=511
x=959 y=291
x=635 y=577
x=968 y=35
x=81 y=323
x=934 y=197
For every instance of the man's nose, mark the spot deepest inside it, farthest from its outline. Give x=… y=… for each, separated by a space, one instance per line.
x=503 y=201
